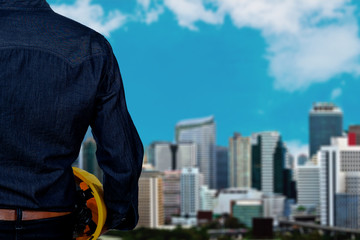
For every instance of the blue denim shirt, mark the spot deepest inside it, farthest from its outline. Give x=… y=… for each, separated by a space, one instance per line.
x=57 y=77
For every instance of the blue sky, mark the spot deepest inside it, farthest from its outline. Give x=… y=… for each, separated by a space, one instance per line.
x=256 y=65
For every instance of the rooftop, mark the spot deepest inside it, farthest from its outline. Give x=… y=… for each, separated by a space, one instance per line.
x=195 y=121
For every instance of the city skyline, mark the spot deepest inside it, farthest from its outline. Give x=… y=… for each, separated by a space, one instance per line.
x=251 y=69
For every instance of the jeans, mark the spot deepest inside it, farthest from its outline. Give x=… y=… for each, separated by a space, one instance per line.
x=57 y=228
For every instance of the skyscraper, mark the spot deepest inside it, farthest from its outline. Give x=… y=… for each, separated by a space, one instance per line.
x=269 y=143
x=202 y=132
x=165 y=156
x=151 y=208
x=190 y=189
x=171 y=191
x=339 y=184
x=325 y=121
x=269 y=174
x=222 y=167
x=239 y=161
x=308 y=186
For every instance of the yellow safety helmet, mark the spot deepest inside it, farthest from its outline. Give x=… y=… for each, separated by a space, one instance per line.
x=90 y=212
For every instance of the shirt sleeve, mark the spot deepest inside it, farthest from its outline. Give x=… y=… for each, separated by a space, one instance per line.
x=119 y=148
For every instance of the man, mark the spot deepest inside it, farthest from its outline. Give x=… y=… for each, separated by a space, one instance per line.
x=57 y=77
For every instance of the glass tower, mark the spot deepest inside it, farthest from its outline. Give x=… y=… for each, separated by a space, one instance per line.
x=325 y=121
x=202 y=132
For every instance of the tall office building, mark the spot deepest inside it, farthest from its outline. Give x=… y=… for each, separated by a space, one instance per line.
x=325 y=121
x=269 y=172
x=151 y=206
x=207 y=198
x=189 y=189
x=308 y=185
x=88 y=159
x=340 y=184
x=171 y=190
x=166 y=156
x=268 y=162
x=202 y=132
x=239 y=161
x=222 y=167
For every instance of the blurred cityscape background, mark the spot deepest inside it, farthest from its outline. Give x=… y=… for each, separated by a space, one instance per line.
x=254 y=179
x=247 y=110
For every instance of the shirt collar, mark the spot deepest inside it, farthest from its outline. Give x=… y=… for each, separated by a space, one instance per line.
x=24 y=4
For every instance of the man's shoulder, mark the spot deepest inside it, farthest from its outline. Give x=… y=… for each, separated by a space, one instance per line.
x=75 y=41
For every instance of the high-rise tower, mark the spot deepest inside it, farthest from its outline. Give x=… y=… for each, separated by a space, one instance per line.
x=202 y=132
x=166 y=156
x=239 y=161
x=325 y=121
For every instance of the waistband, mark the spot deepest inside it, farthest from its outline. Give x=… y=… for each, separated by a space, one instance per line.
x=26 y=215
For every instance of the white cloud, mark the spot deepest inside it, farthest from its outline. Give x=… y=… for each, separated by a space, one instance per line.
x=92 y=15
x=296 y=148
x=149 y=11
x=336 y=93
x=188 y=12
x=309 y=41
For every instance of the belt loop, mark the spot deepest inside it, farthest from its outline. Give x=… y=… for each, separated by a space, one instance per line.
x=18 y=218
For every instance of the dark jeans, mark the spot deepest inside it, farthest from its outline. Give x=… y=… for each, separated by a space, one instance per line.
x=58 y=228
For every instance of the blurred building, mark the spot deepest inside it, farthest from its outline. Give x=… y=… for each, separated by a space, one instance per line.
x=246 y=204
x=269 y=174
x=239 y=161
x=222 y=167
x=247 y=209
x=207 y=198
x=308 y=185
x=289 y=161
x=151 y=205
x=274 y=206
x=325 y=121
x=340 y=184
x=302 y=159
x=202 y=132
x=354 y=135
x=165 y=156
x=88 y=159
x=189 y=189
x=171 y=190
x=226 y=196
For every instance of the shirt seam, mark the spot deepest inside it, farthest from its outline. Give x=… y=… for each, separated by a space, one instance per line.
x=63 y=57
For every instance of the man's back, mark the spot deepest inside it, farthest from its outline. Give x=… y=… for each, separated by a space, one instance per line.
x=57 y=77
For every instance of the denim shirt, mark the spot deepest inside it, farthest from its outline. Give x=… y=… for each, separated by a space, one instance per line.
x=57 y=77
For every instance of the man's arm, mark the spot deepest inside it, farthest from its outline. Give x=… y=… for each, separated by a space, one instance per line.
x=119 y=149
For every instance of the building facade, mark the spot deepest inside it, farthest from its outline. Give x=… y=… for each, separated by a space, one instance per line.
x=240 y=161
x=340 y=184
x=172 y=197
x=166 y=156
x=207 y=198
x=201 y=131
x=247 y=209
x=308 y=185
x=325 y=121
x=151 y=204
x=189 y=190
x=268 y=163
x=222 y=167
